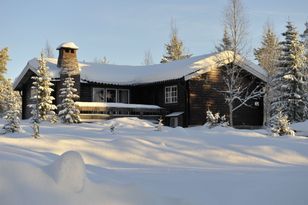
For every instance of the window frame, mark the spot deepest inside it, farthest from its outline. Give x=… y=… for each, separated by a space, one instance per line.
x=169 y=97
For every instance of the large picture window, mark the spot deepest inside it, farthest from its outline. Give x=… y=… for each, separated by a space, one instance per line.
x=171 y=94
x=110 y=95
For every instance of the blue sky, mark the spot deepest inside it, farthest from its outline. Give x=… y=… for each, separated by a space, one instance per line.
x=123 y=30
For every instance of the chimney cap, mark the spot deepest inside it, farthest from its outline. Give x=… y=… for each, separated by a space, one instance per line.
x=70 y=45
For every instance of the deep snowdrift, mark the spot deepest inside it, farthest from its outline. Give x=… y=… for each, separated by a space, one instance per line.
x=89 y=164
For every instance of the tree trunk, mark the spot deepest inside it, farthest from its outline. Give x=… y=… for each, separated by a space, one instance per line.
x=231 y=114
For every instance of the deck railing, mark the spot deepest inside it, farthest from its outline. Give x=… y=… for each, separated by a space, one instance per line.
x=99 y=110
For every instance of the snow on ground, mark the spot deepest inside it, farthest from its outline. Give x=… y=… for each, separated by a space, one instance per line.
x=88 y=164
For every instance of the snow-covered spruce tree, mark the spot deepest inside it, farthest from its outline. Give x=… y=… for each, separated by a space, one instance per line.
x=281 y=126
x=290 y=80
x=43 y=106
x=68 y=112
x=267 y=56
x=12 y=108
x=175 y=49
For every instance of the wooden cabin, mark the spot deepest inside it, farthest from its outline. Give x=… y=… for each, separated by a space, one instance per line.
x=181 y=91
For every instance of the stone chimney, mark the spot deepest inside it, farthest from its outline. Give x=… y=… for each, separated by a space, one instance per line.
x=67 y=59
x=68 y=63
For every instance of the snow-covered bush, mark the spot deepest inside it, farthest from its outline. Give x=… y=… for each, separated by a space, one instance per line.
x=213 y=120
x=281 y=125
x=69 y=113
x=160 y=125
x=112 y=127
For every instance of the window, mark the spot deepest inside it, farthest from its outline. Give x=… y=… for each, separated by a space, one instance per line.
x=171 y=94
x=111 y=95
x=123 y=96
x=99 y=95
x=33 y=92
x=72 y=51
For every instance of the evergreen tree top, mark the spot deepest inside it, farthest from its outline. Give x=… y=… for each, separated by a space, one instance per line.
x=175 y=48
x=226 y=43
x=4 y=58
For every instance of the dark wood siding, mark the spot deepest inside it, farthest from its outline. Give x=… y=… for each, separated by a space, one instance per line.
x=204 y=94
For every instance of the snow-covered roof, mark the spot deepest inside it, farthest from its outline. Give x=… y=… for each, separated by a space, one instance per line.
x=174 y=114
x=71 y=45
x=134 y=75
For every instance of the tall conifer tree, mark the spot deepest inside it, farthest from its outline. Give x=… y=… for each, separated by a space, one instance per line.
x=290 y=80
x=43 y=108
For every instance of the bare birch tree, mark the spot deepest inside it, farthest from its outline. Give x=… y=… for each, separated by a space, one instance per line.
x=239 y=88
x=103 y=60
x=148 y=59
x=48 y=51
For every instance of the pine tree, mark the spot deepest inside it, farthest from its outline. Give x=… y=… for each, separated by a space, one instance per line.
x=69 y=112
x=290 y=81
x=226 y=43
x=43 y=108
x=4 y=58
x=12 y=108
x=175 y=48
x=267 y=56
x=268 y=53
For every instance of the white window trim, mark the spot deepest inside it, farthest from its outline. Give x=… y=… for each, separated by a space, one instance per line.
x=170 y=96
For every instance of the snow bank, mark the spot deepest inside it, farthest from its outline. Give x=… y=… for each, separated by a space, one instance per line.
x=129 y=122
x=68 y=171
